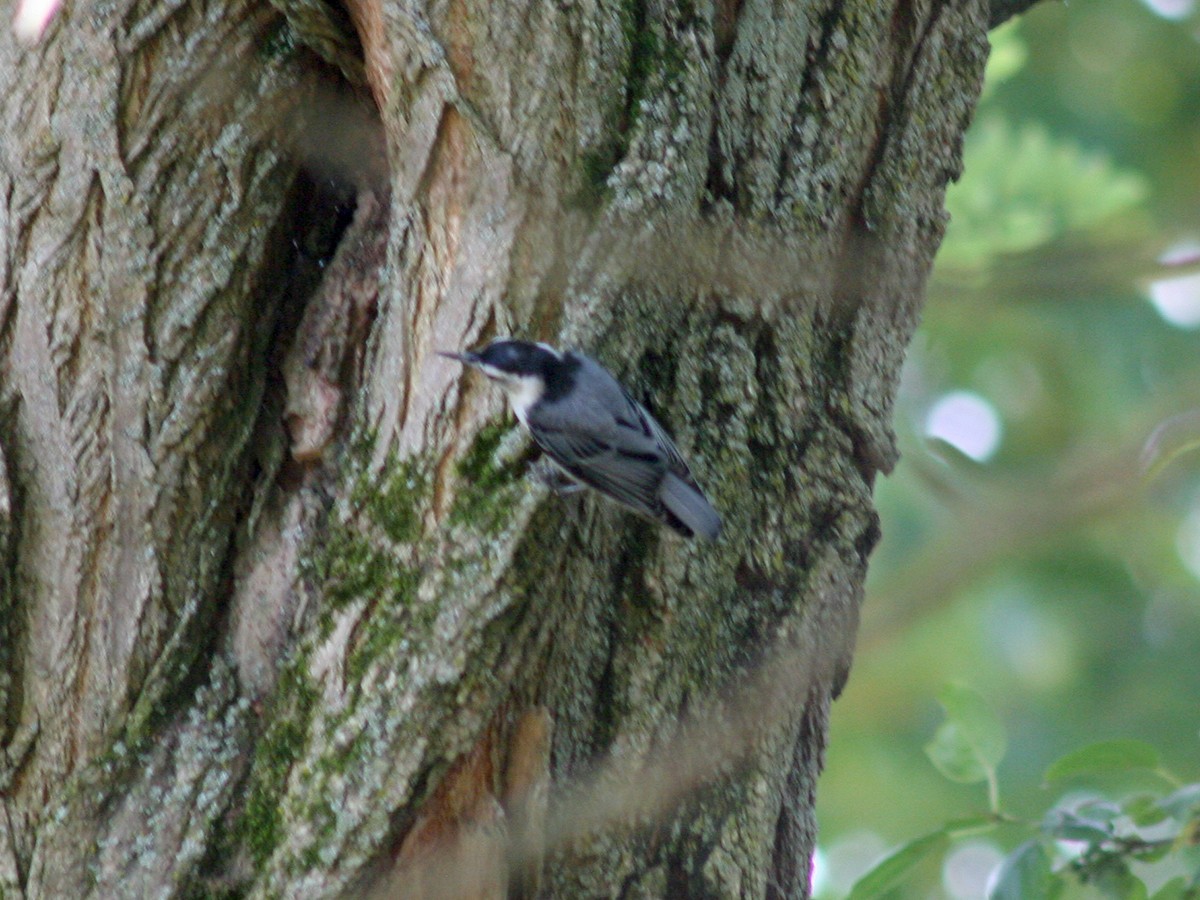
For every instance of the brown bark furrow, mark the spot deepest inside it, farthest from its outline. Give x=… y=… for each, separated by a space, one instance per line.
x=122 y=541
x=796 y=828
x=160 y=817
x=761 y=81
x=12 y=872
x=902 y=208
x=143 y=22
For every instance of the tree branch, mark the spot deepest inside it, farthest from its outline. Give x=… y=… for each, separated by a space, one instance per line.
x=1001 y=11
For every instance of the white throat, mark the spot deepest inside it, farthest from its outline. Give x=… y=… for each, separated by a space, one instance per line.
x=523 y=392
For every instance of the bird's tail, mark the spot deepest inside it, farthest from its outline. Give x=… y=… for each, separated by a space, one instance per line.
x=685 y=503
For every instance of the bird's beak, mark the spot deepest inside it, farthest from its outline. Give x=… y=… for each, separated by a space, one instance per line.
x=467 y=359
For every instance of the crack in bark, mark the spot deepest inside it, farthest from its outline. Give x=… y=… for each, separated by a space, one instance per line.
x=815 y=67
x=860 y=248
x=795 y=829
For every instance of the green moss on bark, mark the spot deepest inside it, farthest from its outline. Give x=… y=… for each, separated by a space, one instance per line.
x=278 y=750
x=483 y=500
x=393 y=498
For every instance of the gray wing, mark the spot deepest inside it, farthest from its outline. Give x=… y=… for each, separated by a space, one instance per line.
x=624 y=465
x=677 y=499
x=640 y=419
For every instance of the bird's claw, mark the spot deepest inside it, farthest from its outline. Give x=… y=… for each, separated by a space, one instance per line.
x=554 y=478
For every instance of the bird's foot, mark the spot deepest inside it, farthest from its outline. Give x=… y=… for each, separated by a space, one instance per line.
x=554 y=478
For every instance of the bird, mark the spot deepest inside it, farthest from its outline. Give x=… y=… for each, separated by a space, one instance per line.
x=589 y=425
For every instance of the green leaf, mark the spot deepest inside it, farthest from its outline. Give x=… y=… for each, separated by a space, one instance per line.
x=1100 y=810
x=1102 y=758
x=1062 y=824
x=953 y=756
x=1151 y=853
x=971 y=825
x=969 y=745
x=1025 y=875
x=1113 y=879
x=1175 y=889
x=892 y=869
x=1184 y=803
x=1145 y=809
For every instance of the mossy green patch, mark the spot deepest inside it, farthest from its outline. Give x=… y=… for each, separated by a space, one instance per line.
x=350 y=568
x=385 y=629
x=362 y=559
x=394 y=498
x=281 y=746
x=198 y=888
x=355 y=561
x=645 y=50
x=597 y=164
x=482 y=480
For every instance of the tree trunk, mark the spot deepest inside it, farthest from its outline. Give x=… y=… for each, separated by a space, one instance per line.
x=280 y=612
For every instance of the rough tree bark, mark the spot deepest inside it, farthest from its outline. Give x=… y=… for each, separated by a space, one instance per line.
x=280 y=613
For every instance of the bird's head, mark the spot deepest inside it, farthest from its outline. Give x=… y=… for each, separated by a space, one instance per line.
x=520 y=368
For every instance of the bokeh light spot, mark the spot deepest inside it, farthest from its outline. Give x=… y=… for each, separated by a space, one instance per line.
x=820 y=871
x=966 y=421
x=1178 y=299
x=1173 y=10
x=849 y=858
x=32 y=18
x=1187 y=541
x=967 y=868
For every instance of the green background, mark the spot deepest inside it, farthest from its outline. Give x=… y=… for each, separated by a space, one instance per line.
x=1059 y=576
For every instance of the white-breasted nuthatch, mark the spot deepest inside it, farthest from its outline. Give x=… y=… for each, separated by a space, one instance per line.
x=579 y=414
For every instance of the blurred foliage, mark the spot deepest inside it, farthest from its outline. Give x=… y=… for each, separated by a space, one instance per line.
x=1088 y=844
x=1042 y=188
x=1059 y=574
